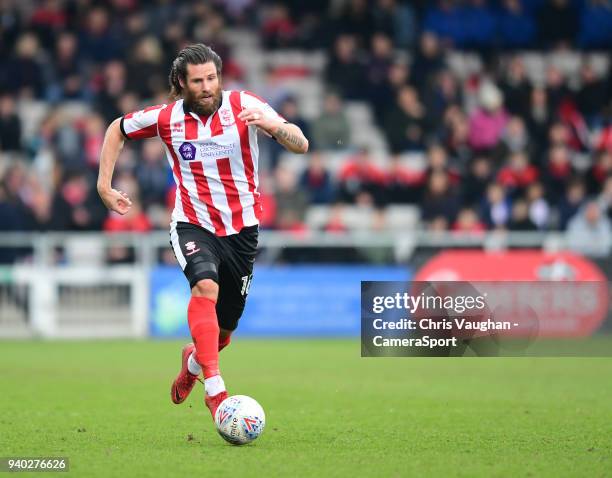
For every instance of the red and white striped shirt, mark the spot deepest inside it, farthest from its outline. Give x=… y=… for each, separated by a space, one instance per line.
x=213 y=160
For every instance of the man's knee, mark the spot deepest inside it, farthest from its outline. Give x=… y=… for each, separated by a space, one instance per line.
x=206 y=288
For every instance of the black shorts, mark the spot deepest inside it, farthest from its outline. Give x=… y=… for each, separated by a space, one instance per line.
x=226 y=260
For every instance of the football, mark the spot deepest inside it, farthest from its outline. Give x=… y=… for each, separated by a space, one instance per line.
x=240 y=419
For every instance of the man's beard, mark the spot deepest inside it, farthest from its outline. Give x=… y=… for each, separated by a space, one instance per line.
x=195 y=104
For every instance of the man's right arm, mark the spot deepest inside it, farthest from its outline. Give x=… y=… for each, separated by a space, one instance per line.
x=113 y=199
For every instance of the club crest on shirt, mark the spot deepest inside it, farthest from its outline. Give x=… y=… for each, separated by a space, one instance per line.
x=226 y=117
x=188 y=151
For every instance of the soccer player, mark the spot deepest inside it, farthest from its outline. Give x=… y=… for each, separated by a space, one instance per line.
x=210 y=138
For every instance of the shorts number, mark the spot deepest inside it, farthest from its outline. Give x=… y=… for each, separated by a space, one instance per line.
x=246 y=284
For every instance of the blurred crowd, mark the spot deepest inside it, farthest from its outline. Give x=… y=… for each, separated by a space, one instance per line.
x=501 y=151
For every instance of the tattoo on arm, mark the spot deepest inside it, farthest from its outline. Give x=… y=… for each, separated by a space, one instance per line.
x=283 y=136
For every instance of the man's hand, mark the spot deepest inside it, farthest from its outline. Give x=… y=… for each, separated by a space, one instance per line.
x=115 y=200
x=289 y=135
x=255 y=117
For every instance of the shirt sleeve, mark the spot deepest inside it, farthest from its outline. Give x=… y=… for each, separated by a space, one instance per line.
x=251 y=100
x=141 y=124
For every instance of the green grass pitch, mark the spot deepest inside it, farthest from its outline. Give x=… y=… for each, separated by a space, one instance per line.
x=106 y=405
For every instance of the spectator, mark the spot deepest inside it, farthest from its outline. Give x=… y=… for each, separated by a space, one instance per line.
x=360 y=181
x=440 y=199
x=152 y=174
x=539 y=119
x=114 y=83
x=572 y=202
x=468 y=223
x=442 y=94
x=437 y=225
x=68 y=76
x=335 y=222
x=539 y=210
x=589 y=232
x=135 y=220
x=23 y=75
x=599 y=172
x=495 y=210
x=98 y=42
x=345 y=72
x=437 y=160
x=383 y=97
x=429 y=60
x=559 y=135
x=516 y=89
x=602 y=137
x=135 y=28
x=10 y=125
x=316 y=181
x=515 y=138
x=590 y=94
x=331 y=130
x=475 y=185
x=379 y=62
x=290 y=201
x=76 y=206
x=518 y=174
x=405 y=125
x=403 y=184
x=145 y=73
x=487 y=122
x=47 y=19
x=14 y=214
x=556 y=88
x=605 y=197
x=558 y=172
x=93 y=129
x=278 y=29
x=455 y=134
x=519 y=219
x=275 y=90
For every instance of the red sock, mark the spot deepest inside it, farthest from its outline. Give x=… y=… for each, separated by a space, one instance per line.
x=224 y=342
x=202 y=317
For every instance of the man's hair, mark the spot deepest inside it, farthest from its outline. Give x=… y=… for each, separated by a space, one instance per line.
x=196 y=54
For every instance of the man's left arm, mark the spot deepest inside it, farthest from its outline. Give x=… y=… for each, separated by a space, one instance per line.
x=287 y=134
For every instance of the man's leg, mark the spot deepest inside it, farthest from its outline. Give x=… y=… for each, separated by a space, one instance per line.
x=206 y=334
x=204 y=327
x=235 y=276
x=225 y=337
x=198 y=255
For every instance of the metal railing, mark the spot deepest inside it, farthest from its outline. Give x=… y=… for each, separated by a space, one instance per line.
x=146 y=246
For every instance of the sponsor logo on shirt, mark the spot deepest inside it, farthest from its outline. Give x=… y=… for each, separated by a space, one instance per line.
x=214 y=150
x=188 y=151
x=226 y=117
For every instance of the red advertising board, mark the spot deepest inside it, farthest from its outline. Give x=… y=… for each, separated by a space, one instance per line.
x=566 y=292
